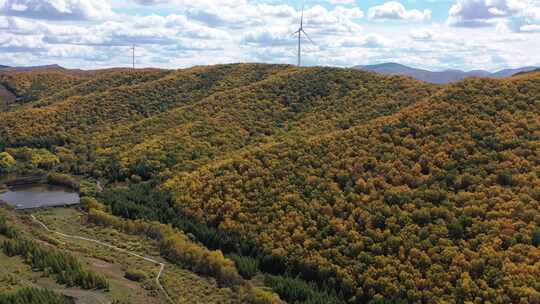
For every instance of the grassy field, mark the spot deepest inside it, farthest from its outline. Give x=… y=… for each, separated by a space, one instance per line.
x=183 y=286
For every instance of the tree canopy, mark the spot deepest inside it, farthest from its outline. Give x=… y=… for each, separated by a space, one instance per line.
x=379 y=189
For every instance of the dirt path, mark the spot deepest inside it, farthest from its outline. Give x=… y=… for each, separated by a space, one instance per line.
x=161 y=265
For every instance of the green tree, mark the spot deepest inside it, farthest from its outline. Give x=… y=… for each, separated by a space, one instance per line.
x=535 y=238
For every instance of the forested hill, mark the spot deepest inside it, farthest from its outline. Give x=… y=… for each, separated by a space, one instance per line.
x=381 y=188
x=193 y=116
x=437 y=201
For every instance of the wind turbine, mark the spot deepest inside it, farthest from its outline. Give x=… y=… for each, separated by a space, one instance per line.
x=133 y=55
x=301 y=31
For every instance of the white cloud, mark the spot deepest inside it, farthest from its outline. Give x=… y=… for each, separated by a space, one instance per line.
x=179 y=33
x=77 y=10
x=352 y=13
x=193 y=3
x=340 y=21
x=369 y=41
x=149 y=30
x=20 y=26
x=269 y=38
x=516 y=15
x=21 y=44
x=4 y=23
x=422 y=35
x=530 y=28
x=151 y=2
x=477 y=13
x=341 y=2
x=320 y=23
x=396 y=11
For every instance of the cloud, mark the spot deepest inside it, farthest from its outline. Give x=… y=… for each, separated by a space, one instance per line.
x=530 y=28
x=516 y=15
x=324 y=26
x=396 y=11
x=241 y=16
x=477 y=13
x=4 y=23
x=214 y=18
x=341 y=2
x=269 y=38
x=351 y=13
x=149 y=30
x=179 y=33
x=369 y=41
x=19 y=26
x=21 y=44
x=422 y=35
x=75 y=10
x=193 y=3
x=340 y=21
x=150 y=2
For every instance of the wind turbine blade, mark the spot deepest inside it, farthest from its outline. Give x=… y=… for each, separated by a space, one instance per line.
x=307 y=36
x=302 y=16
x=295 y=33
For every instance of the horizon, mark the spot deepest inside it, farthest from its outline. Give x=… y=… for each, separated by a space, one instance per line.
x=174 y=34
x=232 y=63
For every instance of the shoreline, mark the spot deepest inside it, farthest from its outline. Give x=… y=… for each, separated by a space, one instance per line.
x=22 y=180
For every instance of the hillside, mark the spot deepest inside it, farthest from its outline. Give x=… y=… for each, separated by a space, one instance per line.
x=510 y=72
x=48 y=84
x=197 y=114
x=335 y=185
x=440 y=77
x=535 y=71
x=32 y=85
x=413 y=207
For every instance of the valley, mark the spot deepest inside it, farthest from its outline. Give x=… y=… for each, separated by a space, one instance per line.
x=114 y=264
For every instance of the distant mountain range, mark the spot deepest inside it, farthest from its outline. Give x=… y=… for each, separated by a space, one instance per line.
x=446 y=76
x=390 y=68
x=32 y=68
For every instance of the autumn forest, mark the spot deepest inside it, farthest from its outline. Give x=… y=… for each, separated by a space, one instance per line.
x=333 y=185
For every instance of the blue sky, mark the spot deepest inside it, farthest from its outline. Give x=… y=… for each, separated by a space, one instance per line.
x=432 y=34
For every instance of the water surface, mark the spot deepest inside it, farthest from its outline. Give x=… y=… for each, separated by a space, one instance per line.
x=35 y=196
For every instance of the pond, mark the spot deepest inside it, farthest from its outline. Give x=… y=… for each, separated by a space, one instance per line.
x=39 y=195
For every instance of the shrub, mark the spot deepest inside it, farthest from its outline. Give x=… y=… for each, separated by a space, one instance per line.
x=63 y=180
x=38 y=158
x=89 y=203
x=135 y=275
x=31 y=295
x=6 y=162
x=7 y=230
x=260 y=296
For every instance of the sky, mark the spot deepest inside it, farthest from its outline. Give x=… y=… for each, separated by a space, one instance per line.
x=431 y=34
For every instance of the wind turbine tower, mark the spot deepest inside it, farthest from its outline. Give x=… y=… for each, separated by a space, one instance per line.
x=301 y=31
x=133 y=55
